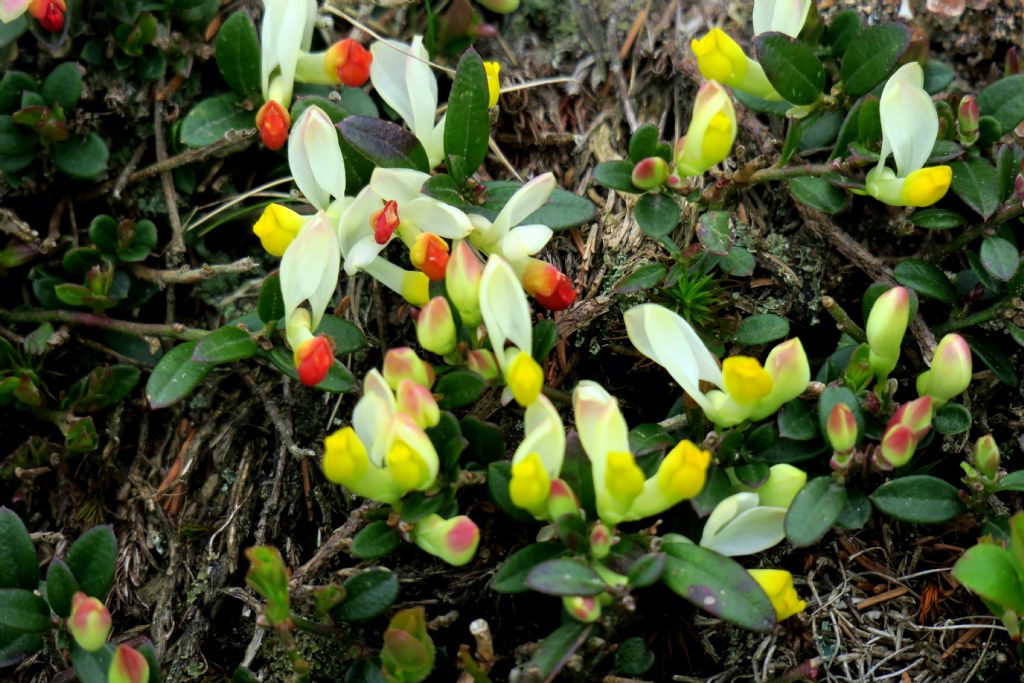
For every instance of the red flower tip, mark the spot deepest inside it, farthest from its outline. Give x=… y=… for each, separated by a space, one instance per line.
x=50 y=13
x=350 y=61
x=549 y=286
x=385 y=222
x=429 y=254
x=313 y=359
x=273 y=122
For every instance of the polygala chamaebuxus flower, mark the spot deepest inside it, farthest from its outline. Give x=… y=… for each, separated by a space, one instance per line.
x=711 y=132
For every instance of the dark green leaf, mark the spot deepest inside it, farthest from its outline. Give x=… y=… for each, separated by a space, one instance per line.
x=952 y=418
x=797 y=422
x=564 y=577
x=871 y=58
x=1004 y=100
x=794 y=132
x=270 y=305
x=616 y=175
x=715 y=232
x=91 y=667
x=977 y=183
x=416 y=506
x=545 y=337
x=760 y=105
x=24 y=611
x=643 y=143
x=718 y=585
x=992 y=356
x=761 y=329
x=925 y=279
x=791 y=66
x=1006 y=168
x=990 y=571
x=739 y=262
x=459 y=388
x=63 y=86
x=918 y=498
x=346 y=336
x=376 y=539
x=102 y=388
x=60 y=586
x=19 y=567
x=1000 y=258
x=15 y=645
x=384 y=143
x=937 y=219
x=646 y=570
x=869 y=121
x=649 y=437
x=856 y=513
x=842 y=30
x=367 y=595
x=645 y=277
x=937 y=76
x=485 y=441
x=814 y=510
x=817 y=192
x=558 y=648
x=12 y=85
x=91 y=560
x=466 y=127
x=656 y=214
x=238 y=55
x=511 y=575
x=225 y=345
x=81 y=157
x=633 y=658
x=175 y=376
x=212 y=118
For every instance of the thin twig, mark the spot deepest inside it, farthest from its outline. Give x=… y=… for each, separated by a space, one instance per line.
x=188 y=276
x=337 y=543
x=175 y=330
x=176 y=248
x=843 y=320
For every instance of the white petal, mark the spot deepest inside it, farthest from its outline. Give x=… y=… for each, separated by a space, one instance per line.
x=388 y=75
x=324 y=152
x=749 y=532
x=354 y=223
x=525 y=201
x=727 y=509
x=504 y=307
x=524 y=241
x=362 y=254
x=12 y=9
x=784 y=16
x=434 y=145
x=422 y=86
x=910 y=123
x=373 y=415
x=431 y=215
x=309 y=268
x=289 y=43
x=544 y=435
x=400 y=184
x=599 y=423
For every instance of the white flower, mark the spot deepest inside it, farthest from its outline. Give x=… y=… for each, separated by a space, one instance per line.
x=315 y=160
x=504 y=235
x=784 y=16
x=310 y=268
x=286 y=31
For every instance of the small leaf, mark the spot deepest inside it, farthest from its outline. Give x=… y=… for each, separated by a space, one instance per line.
x=565 y=577
x=270 y=305
x=937 y=219
x=23 y=611
x=212 y=118
x=797 y=422
x=718 y=585
x=60 y=586
x=238 y=55
x=616 y=175
x=761 y=329
x=856 y=513
x=738 y=262
x=545 y=337
x=791 y=67
x=952 y=418
x=81 y=157
x=384 y=143
x=918 y=498
x=992 y=356
x=656 y=214
x=175 y=376
x=346 y=336
x=15 y=645
x=367 y=595
x=645 y=277
x=376 y=539
x=937 y=76
x=557 y=649
x=925 y=279
x=459 y=388
x=633 y=658
x=19 y=567
x=225 y=345
x=989 y=571
x=871 y=58
x=91 y=560
x=1004 y=101
x=715 y=232
x=814 y=510
x=842 y=30
x=818 y=193
x=63 y=86
x=511 y=575
x=643 y=143
x=976 y=181
x=1000 y=258
x=647 y=570
x=102 y=388
x=467 y=127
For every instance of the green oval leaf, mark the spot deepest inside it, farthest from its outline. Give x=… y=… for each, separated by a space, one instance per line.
x=102 y=388
x=817 y=192
x=616 y=175
x=646 y=570
x=918 y=498
x=91 y=560
x=656 y=214
x=459 y=388
x=376 y=539
x=238 y=55
x=989 y=571
x=643 y=143
x=270 y=305
x=24 y=611
x=19 y=567
x=81 y=157
x=212 y=118
x=384 y=143
x=644 y=277
x=1004 y=101
x=467 y=126
x=856 y=513
x=992 y=356
x=346 y=336
x=761 y=329
x=937 y=219
x=814 y=510
x=1000 y=258
x=563 y=577
x=367 y=595
x=715 y=232
x=225 y=345
x=63 y=86
x=871 y=58
x=797 y=422
x=511 y=575
x=925 y=279
x=952 y=418
x=976 y=181
x=717 y=584
x=61 y=585
x=791 y=66
x=175 y=376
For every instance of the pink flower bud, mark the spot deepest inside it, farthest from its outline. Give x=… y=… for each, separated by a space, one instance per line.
x=453 y=540
x=650 y=173
x=986 y=456
x=561 y=500
x=887 y=323
x=841 y=428
x=951 y=370
x=601 y=540
x=89 y=622
x=483 y=363
x=128 y=666
x=916 y=414
x=898 y=445
x=435 y=327
x=967 y=116
x=418 y=403
x=462 y=280
x=408 y=653
x=403 y=363
x=585 y=609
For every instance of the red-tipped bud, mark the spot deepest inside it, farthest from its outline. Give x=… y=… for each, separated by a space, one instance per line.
x=842 y=428
x=462 y=280
x=128 y=666
x=561 y=500
x=917 y=415
x=313 y=359
x=967 y=116
x=601 y=540
x=89 y=622
x=453 y=540
x=898 y=445
x=650 y=173
x=586 y=609
x=986 y=456
x=951 y=370
x=402 y=363
x=385 y=222
x=548 y=285
x=349 y=62
x=273 y=122
x=1018 y=187
x=483 y=363
x=429 y=254
x=435 y=327
x=50 y=13
x=417 y=402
